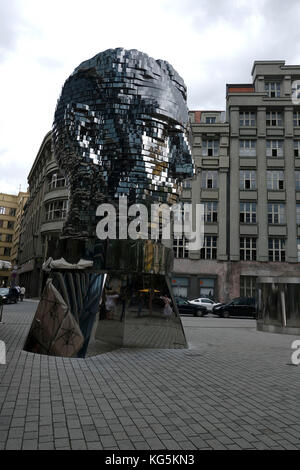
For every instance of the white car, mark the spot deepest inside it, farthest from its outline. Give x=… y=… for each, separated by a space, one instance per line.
x=208 y=303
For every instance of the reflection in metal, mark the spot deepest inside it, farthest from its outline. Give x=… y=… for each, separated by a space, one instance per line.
x=137 y=311
x=279 y=304
x=54 y=330
x=120 y=130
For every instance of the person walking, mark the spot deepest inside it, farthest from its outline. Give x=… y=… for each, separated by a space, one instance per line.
x=22 y=293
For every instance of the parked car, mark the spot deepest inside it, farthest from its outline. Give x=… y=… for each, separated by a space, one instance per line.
x=185 y=308
x=205 y=302
x=241 y=306
x=9 y=295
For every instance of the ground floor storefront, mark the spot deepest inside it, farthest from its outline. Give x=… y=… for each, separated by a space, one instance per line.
x=223 y=280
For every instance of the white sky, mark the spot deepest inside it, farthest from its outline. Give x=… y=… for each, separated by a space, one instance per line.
x=209 y=43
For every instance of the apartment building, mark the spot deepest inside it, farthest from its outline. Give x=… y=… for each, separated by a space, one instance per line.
x=43 y=217
x=257 y=224
x=21 y=201
x=200 y=273
x=8 y=209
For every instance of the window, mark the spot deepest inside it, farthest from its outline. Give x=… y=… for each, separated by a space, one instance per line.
x=209 y=249
x=8 y=238
x=210 y=148
x=56 y=210
x=276 y=249
x=1 y=223
x=297 y=148
x=248 y=212
x=247 y=286
x=274 y=148
x=273 y=89
x=57 y=181
x=209 y=179
x=247 y=119
x=274 y=118
x=275 y=179
x=210 y=211
x=298 y=248
x=2 y=210
x=298 y=214
x=297 y=180
x=180 y=286
x=248 y=248
x=12 y=212
x=296 y=119
x=247 y=179
x=10 y=225
x=187 y=184
x=276 y=213
x=210 y=120
x=180 y=247
x=6 y=251
x=247 y=148
x=207 y=287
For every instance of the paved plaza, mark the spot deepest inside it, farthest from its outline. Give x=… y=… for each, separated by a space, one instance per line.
x=234 y=388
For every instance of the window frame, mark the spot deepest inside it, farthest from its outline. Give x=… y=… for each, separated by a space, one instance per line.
x=248 y=253
x=210 y=211
x=247 y=117
x=276 y=213
x=251 y=179
x=248 y=214
x=273 y=176
x=209 y=250
x=274 y=252
x=205 y=177
x=269 y=91
x=275 y=119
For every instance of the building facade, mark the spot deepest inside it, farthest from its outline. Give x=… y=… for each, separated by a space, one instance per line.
x=21 y=201
x=247 y=163
x=199 y=273
x=252 y=165
x=8 y=209
x=43 y=217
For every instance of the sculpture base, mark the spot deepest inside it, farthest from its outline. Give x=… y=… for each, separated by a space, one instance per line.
x=137 y=310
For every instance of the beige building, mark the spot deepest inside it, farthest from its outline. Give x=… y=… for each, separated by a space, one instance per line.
x=8 y=210
x=21 y=201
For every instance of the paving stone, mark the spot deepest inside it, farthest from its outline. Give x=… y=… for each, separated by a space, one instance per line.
x=231 y=390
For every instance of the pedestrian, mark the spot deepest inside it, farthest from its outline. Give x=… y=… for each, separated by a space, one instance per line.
x=167 y=307
x=22 y=293
x=111 y=304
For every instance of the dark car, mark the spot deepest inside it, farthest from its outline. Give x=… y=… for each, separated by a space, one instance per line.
x=185 y=308
x=239 y=307
x=9 y=295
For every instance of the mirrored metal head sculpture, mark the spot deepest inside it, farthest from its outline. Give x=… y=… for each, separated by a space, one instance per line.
x=119 y=129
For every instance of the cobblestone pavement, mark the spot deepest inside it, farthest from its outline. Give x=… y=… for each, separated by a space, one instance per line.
x=235 y=388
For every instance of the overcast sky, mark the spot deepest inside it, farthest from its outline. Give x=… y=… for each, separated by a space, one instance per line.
x=209 y=43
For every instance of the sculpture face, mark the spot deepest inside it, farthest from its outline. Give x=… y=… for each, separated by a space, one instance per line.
x=119 y=129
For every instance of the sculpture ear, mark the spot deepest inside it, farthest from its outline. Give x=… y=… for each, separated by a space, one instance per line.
x=181 y=161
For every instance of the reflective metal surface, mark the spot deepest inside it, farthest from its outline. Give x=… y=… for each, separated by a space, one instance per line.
x=279 y=301
x=138 y=311
x=119 y=130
